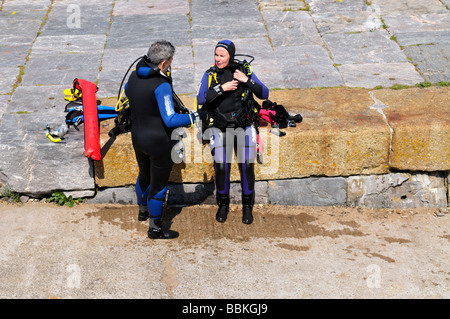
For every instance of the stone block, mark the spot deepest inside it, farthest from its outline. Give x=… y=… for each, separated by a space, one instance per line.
x=370 y=75
x=12 y=39
x=389 y=7
x=88 y=193
x=117 y=195
x=335 y=149
x=412 y=23
x=60 y=44
x=217 y=29
x=420 y=120
x=61 y=69
x=84 y=19
x=123 y=35
x=185 y=194
x=339 y=136
x=261 y=193
x=291 y=28
x=114 y=64
x=314 y=191
x=142 y=7
x=347 y=22
x=26 y=10
x=8 y=78
x=418 y=38
x=19 y=23
x=36 y=99
x=183 y=81
x=13 y=56
x=416 y=29
x=31 y=164
x=204 y=193
x=281 y=5
x=3 y=104
x=312 y=64
x=364 y=47
x=431 y=60
x=336 y=6
x=201 y=10
x=397 y=190
x=118 y=166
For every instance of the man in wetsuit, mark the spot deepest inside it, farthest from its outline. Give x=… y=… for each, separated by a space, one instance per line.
x=154 y=117
x=226 y=91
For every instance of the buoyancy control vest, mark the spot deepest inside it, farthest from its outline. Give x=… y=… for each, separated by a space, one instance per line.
x=147 y=126
x=236 y=108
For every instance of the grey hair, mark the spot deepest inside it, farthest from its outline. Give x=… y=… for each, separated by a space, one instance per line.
x=160 y=51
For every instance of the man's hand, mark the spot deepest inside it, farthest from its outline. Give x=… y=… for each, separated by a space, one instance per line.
x=200 y=114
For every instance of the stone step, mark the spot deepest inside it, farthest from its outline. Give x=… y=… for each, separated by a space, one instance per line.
x=344 y=132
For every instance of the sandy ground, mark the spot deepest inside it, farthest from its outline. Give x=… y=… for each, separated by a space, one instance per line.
x=102 y=251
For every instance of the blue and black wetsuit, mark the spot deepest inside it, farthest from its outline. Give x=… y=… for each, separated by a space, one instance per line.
x=153 y=119
x=228 y=132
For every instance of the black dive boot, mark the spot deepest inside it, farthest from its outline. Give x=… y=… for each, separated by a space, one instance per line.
x=224 y=206
x=143 y=213
x=247 y=208
x=160 y=230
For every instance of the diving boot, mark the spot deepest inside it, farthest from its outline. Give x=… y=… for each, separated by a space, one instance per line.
x=142 y=201
x=247 y=208
x=143 y=213
x=159 y=230
x=224 y=206
x=158 y=227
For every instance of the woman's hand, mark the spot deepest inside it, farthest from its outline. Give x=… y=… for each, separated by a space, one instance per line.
x=240 y=76
x=230 y=86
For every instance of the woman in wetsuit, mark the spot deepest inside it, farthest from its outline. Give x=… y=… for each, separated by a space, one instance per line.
x=153 y=117
x=225 y=91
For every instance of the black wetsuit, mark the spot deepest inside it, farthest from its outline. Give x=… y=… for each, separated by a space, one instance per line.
x=228 y=133
x=153 y=119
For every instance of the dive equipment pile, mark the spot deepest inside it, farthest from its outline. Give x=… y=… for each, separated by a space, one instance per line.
x=277 y=116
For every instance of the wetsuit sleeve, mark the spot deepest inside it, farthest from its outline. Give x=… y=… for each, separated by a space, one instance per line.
x=205 y=94
x=257 y=87
x=163 y=94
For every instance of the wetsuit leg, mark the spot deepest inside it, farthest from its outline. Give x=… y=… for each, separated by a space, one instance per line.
x=154 y=172
x=246 y=151
x=221 y=164
x=155 y=204
x=160 y=167
x=142 y=201
x=222 y=174
x=142 y=183
x=141 y=195
x=143 y=162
